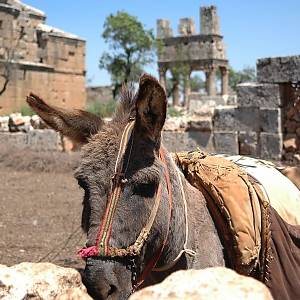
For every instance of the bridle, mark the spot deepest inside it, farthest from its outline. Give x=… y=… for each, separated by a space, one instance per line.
x=102 y=248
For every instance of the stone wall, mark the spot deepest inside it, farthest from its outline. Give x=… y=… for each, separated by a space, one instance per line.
x=41 y=59
x=36 y=140
x=263 y=120
x=283 y=75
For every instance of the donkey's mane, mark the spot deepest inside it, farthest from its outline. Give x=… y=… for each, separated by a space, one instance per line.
x=125 y=108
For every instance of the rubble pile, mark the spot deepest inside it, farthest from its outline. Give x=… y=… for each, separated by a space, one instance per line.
x=17 y=123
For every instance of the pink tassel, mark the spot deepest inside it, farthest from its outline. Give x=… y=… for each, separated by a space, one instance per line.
x=88 y=252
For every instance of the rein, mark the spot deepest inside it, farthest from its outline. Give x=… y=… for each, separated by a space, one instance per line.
x=102 y=247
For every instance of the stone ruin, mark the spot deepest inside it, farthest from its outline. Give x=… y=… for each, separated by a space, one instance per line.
x=191 y=51
x=263 y=121
x=39 y=58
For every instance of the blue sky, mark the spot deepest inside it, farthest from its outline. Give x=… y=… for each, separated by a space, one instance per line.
x=251 y=29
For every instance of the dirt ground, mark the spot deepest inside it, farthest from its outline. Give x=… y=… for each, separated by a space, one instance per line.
x=40 y=208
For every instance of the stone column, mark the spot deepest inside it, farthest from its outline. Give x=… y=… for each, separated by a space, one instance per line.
x=187 y=89
x=162 y=77
x=176 y=93
x=224 y=84
x=206 y=82
x=211 y=82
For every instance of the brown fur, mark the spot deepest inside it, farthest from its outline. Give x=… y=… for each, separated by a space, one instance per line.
x=111 y=278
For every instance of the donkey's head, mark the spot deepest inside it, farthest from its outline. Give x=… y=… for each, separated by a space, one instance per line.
x=116 y=210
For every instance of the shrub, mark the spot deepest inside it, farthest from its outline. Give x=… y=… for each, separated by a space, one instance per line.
x=26 y=111
x=102 y=109
x=175 y=112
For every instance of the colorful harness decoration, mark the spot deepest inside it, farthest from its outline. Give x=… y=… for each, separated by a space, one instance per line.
x=102 y=247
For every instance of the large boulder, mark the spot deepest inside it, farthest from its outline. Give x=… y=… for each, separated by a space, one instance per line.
x=207 y=284
x=41 y=281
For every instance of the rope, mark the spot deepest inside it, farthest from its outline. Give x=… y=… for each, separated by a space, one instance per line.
x=189 y=252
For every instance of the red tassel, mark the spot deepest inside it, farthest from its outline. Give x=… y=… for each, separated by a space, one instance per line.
x=88 y=252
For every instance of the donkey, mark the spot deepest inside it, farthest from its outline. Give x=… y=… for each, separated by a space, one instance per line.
x=129 y=180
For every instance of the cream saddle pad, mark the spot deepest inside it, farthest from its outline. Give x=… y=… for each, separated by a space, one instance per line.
x=283 y=195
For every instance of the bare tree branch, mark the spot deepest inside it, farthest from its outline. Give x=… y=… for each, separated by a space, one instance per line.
x=7 y=63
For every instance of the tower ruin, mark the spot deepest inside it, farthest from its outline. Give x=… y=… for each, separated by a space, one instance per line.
x=191 y=51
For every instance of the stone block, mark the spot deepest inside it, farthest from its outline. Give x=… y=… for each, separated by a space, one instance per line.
x=199 y=108
x=186 y=141
x=248 y=143
x=200 y=139
x=231 y=118
x=203 y=104
x=173 y=141
x=200 y=124
x=278 y=69
x=224 y=118
x=271 y=120
x=226 y=142
x=247 y=119
x=271 y=145
x=253 y=94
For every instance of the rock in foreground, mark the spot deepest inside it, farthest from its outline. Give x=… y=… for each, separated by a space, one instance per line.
x=208 y=284
x=41 y=281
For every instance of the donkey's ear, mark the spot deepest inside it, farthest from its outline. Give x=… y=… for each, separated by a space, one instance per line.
x=78 y=125
x=151 y=107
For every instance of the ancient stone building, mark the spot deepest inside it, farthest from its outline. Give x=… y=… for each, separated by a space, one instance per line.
x=193 y=51
x=38 y=58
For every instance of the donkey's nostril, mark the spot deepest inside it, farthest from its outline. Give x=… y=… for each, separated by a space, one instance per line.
x=112 y=290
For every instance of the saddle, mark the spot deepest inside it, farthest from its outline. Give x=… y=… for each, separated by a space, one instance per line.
x=237 y=204
x=257 y=222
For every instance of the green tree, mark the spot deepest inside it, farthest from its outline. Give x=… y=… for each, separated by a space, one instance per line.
x=247 y=74
x=131 y=48
x=197 y=83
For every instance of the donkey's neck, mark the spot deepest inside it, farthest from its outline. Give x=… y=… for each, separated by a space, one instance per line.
x=202 y=234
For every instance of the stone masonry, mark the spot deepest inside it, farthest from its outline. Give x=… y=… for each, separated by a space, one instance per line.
x=263 y=121
x=41 y=59
x=190 y=51
x=266 y=118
